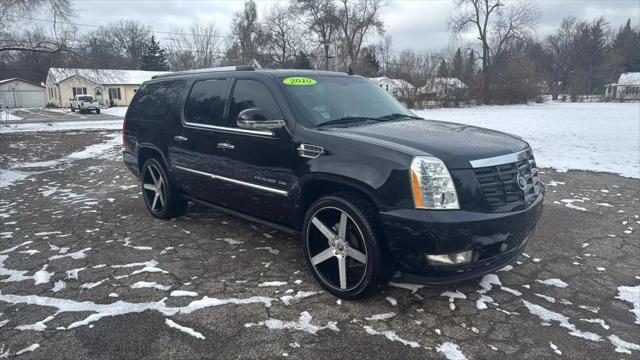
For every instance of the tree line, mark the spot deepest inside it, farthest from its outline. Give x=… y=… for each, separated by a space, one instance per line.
x=503 y=63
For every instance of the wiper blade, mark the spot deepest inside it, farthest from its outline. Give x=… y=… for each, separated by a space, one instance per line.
x=396 y=116
x=348 y=120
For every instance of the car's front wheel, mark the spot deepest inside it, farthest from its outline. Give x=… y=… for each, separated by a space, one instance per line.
x=342 y=246
x=98 y=111
x=159 y=194
x=73 y=109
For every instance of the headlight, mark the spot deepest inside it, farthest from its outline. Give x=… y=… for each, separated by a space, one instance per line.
x=432 y=185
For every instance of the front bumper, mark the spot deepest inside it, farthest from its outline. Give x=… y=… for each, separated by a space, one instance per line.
x=496 y=240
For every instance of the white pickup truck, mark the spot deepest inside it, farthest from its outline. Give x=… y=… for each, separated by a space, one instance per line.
x=84 y=103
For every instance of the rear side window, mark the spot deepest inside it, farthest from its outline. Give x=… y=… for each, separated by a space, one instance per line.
x=249 y=94
x=153 y=102
x=206 y=102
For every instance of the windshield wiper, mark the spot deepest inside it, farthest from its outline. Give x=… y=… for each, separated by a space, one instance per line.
x=396 y=116
x=348 y=120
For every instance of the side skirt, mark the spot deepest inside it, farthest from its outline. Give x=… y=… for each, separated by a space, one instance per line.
x=282 y=228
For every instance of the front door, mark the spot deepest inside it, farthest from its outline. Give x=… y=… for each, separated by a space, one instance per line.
x=257 y=163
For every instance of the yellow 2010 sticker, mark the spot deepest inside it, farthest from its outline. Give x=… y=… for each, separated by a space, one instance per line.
x=299 y=81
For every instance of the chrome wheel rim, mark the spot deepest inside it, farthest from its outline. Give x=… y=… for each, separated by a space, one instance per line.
x=336 y=249
x=153 y=186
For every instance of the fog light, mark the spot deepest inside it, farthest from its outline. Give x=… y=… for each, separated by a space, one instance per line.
x=450 y=259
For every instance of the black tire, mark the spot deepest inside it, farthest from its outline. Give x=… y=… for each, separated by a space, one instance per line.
x=73 y=109
x=164 y=203
x=97 y=111
x=363 y=237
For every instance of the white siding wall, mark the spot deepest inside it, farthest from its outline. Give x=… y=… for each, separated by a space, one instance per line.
x=20 y=94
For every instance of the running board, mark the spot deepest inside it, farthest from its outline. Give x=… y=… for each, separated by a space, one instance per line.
x=282 y=228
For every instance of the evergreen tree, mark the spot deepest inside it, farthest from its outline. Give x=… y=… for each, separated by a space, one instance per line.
x=154 y=58
x=443 y=69
x=457 y=65
x=302 y=61
x=626 y=46
x=468 y=76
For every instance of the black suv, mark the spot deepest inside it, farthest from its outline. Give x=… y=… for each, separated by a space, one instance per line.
x=369 y=187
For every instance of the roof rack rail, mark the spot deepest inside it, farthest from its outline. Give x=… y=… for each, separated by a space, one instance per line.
x=206 y=70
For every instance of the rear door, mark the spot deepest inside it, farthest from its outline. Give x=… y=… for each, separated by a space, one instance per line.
x=194 y=152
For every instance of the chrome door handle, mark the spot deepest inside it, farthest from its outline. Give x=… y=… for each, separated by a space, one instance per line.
x=225 y=146
x=180 y=138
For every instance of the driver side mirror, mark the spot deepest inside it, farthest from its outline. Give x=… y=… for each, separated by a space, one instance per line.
x=257 y=119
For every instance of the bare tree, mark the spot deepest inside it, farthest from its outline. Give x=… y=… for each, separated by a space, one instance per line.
x=385 y=47
x=319 y=17
x=15 y=13
x=246 y=34
x=560 y=48
x=496 y=23
x=132 y=37
x=355 y=20
x=282 y=35
x=197 y=47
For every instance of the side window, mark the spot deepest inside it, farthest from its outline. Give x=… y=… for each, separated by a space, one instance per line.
x=249 y=94
x=206 y=102
x=154 y=101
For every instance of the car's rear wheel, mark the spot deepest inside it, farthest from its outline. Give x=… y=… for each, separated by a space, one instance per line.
x=159 y=194
x=98 y=111
x=342 y=246
x=73 y=109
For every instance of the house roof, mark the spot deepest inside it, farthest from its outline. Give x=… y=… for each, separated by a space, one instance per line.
x=439 y=83
x=105 y=76
x=392 y=83
x=629 y=78
x=22 y=80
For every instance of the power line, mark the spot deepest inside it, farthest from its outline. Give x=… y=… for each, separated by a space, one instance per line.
x=113 y=27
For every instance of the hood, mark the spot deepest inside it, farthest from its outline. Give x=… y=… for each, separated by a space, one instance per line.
x=455 y=144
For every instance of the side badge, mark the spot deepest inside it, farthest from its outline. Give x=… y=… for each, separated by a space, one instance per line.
x=310 y=151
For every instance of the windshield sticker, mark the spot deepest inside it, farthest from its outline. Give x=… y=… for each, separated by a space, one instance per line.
x=299 y=81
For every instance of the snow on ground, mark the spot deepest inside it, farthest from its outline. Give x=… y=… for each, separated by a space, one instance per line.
x=116 y=111
x=6 y=116
x=582 y=136
x=64 y=126
x=9 y=176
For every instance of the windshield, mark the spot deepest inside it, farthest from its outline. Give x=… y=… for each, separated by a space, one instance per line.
x=85 y=98
x=328 y=100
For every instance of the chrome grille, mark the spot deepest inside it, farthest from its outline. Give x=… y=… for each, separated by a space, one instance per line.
x=499 y=183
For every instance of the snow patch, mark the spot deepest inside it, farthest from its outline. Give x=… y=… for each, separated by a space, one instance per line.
x=547 y=315
x=177 y=293
x=451 y=351
x=553 y=282
x=631 y=294
x=184 y=329
x=622 y=346
x=302 y=324
x=391 y=335
x=150 y=285
x=378 y=317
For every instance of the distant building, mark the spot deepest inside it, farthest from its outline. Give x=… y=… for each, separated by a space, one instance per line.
x=441 y=87
x=627 y=87
x=19 y=93
x=109 y=87
x=397 y=87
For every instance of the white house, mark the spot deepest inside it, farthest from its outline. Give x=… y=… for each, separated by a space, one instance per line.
x=444 y=86
x=627 y=87
x=109 y=87
x=19 y=93
x=395 y=87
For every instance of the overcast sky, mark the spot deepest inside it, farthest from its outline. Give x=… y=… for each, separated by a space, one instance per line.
x=417 y=24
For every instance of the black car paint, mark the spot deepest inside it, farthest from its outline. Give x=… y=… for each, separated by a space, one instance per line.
x=372 y=160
